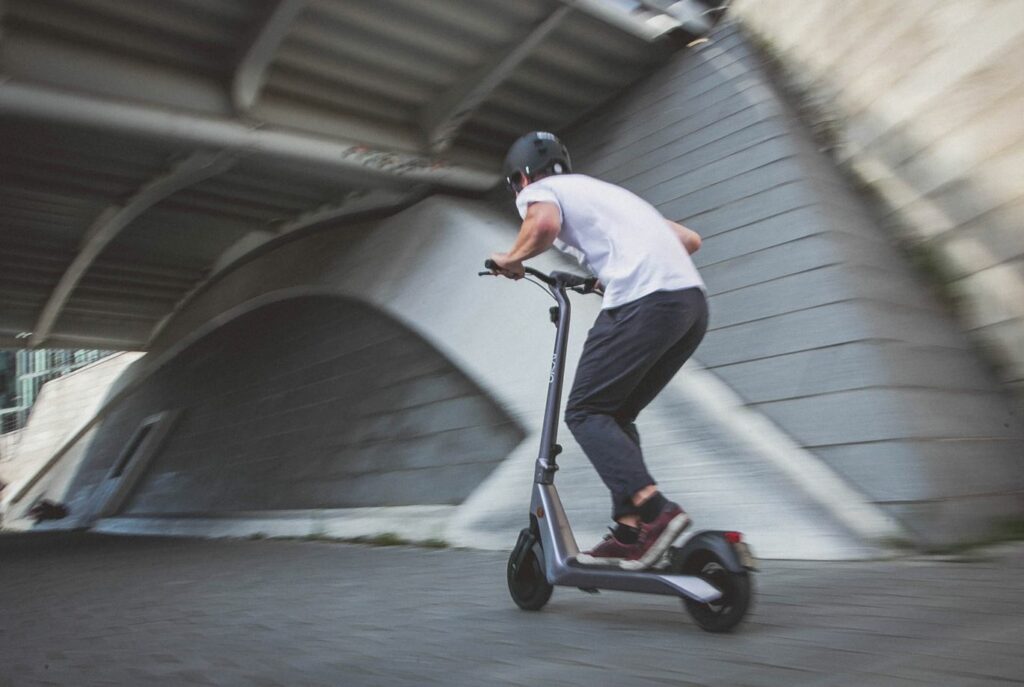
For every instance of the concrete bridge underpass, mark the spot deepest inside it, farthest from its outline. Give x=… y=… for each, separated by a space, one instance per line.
x=294 y=244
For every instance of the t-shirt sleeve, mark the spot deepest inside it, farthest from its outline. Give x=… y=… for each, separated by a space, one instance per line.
x=536 y=194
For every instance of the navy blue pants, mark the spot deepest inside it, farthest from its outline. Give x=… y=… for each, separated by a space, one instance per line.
x=630 y=354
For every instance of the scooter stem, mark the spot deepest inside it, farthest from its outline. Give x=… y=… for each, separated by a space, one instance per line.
x=549 y=449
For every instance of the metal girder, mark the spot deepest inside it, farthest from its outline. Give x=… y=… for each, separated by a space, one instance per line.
x=172 y=127
x=251 y=72
x=695 y=16
x=354 y=203
x=115 y=218
x=660 y=17
x=29 y=58
x=443 y=116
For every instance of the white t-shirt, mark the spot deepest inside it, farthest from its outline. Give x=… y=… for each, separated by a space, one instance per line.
x=621 y=238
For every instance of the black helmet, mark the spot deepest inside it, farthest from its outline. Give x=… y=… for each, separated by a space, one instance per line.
x=534 y=154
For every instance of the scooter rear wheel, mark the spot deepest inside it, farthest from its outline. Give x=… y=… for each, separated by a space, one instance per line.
x=723 y=614
x=528 y=585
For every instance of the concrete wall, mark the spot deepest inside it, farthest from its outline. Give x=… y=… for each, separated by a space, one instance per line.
x=241 y=348
x=311 y=402
x=816 y=320
x=843 y=363
x=8 y=443
x=927 y=99
x=64 y=407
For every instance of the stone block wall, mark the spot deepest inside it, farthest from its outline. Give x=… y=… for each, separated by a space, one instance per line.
x=313 y=402
x=926 y=100
x=817 y=320
x=64 y=405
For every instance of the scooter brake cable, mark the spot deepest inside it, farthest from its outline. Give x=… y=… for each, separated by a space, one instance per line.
x=540 y=286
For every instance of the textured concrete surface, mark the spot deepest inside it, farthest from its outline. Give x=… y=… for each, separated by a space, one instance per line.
x=246 y=439
x=725 y=470
x=308 y=403
x=818 y=321
x=813 y=321
x=927 y=101
x=88 y=610
x=64 y=405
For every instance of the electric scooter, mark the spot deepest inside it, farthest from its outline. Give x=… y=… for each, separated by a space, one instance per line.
x=710 y=571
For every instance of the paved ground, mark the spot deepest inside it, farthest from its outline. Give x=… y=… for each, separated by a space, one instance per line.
x=91 y=610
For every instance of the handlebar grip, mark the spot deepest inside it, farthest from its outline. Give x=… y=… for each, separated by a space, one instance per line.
x=493 y=267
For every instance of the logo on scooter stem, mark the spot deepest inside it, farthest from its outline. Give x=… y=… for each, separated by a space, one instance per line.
x=554 y=364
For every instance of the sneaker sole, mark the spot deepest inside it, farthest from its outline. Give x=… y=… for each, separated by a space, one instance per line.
x=653 y=555
x=587 y=559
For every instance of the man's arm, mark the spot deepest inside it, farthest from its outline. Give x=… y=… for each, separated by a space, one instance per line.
x=538 y=232
x=688 y=237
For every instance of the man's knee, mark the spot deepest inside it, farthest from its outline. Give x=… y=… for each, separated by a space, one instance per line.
x=628 y=427
x=575 y=416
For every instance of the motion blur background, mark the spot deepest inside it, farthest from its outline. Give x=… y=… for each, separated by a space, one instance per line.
x=271 y=215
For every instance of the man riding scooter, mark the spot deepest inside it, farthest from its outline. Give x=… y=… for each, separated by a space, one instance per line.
x=653 y=317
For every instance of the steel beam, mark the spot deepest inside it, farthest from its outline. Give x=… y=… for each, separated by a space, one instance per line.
x=615 y=16
x=251 y=72
x=354 y=203
x=64 y=65
x=113 y=220
x=443 y=116
x=694 y=16
x=661 y=17
x=172 y=127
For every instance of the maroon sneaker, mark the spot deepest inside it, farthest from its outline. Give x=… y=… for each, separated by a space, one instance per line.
x=609 y=552
x=656 y=536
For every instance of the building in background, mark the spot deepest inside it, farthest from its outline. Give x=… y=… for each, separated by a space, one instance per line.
x=23 y=374
x=8 y=390
x=6 y=378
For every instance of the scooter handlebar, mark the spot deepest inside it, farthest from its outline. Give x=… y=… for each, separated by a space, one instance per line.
x=565 y=279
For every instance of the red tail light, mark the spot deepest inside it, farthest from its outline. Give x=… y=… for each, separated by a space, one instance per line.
x=733 y=537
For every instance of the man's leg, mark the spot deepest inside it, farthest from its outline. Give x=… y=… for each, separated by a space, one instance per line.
x=617 y=354
x=661 y=521
x=662 y=372
x=622 y=349
x=628 y=426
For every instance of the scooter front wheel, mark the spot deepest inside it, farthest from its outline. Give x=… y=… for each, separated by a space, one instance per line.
x=723 y=614
x=526 y=583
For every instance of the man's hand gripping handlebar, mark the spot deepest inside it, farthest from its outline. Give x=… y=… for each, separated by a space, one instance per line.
x=571 y=282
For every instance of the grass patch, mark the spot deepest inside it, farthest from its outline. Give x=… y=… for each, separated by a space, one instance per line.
x=383 y=539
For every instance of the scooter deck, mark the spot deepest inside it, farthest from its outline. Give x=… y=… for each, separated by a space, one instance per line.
x=573 y=574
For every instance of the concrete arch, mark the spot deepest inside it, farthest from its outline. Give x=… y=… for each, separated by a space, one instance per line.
x=420 y=268
x=300 y=400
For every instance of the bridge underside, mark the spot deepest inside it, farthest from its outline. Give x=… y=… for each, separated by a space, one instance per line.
x=835 y=404
x=146 y=145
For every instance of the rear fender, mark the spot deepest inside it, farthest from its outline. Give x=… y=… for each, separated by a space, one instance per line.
x=713 y=541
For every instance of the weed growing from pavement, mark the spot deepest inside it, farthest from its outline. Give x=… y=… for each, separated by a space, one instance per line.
x=392 y=539
x=383 y=539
